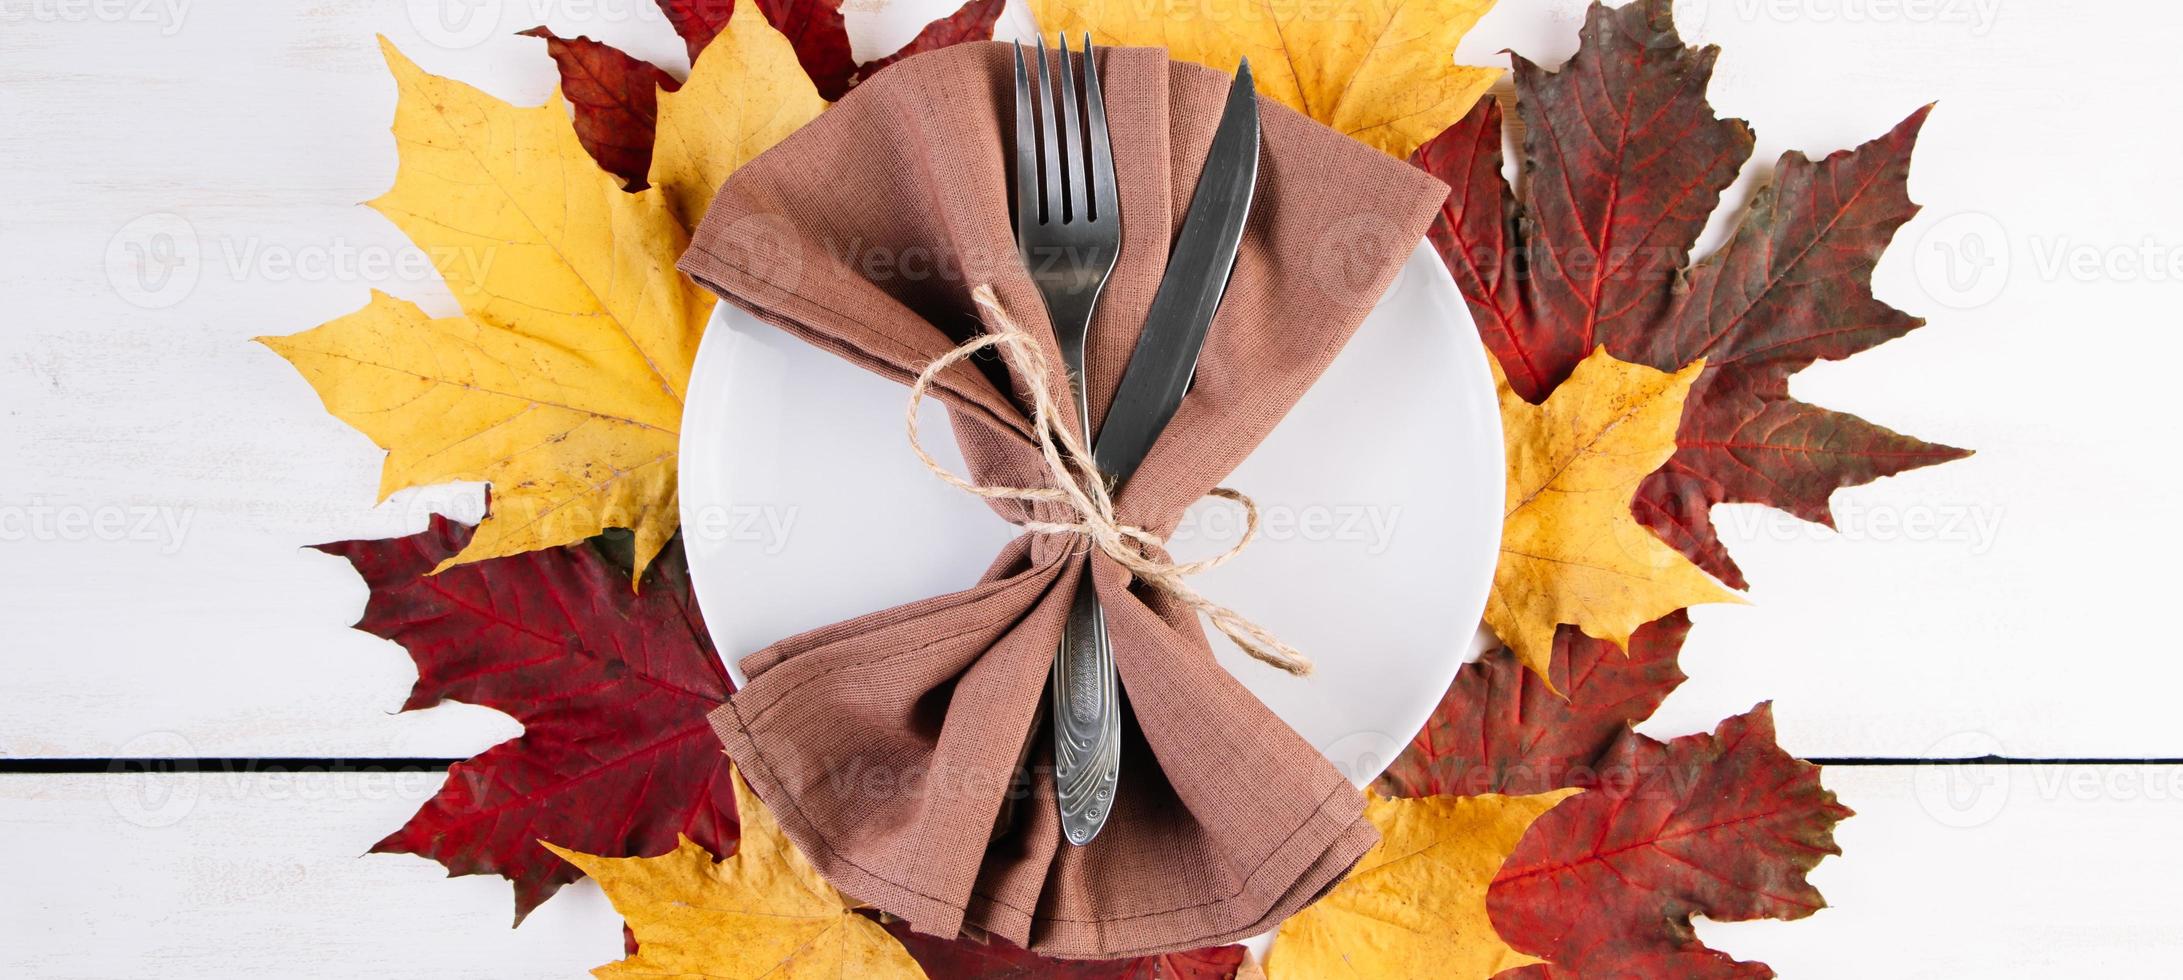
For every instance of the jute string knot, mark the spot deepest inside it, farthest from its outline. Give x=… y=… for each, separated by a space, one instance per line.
x=1078 y=484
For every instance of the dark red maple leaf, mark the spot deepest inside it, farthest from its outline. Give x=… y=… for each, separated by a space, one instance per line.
x=973 y=21
x=1724 y=825
x=1500 y=729
x=963 y=959
x=1624 y=162
x=615 y=99
x=616 y=96
x=816 y=30
x=611 y=687
x=697 y=22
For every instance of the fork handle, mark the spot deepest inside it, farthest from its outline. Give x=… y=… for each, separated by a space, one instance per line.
x=1086 y=703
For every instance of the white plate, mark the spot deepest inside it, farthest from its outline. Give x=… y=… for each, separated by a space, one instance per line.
x=1381 y=494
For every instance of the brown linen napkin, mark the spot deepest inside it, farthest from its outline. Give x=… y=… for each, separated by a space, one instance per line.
x=887 y=744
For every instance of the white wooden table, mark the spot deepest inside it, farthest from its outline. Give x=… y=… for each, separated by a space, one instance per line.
x=159 y=475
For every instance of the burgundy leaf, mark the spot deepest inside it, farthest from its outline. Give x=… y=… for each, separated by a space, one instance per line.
x=1724 y=825
x=1500 y=729
x=821 y=38
x=973 y=21
x=697 y=22
x=615 y=98
x=1624 y=161
x=611 y=687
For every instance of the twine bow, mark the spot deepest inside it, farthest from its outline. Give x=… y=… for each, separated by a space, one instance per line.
x=1079 y=485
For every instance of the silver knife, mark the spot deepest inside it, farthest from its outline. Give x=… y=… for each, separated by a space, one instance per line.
x=1151 y=390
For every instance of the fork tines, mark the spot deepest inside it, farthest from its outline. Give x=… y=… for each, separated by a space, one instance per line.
x=1065 y=145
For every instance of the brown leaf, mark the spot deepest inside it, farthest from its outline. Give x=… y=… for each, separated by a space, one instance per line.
x=1624 y=162
x=1724 y=825
x=1500 y=729
x=615 y=99
x=611 y=687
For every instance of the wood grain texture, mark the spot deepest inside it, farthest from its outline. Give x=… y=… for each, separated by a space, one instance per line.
x=2041 y=872
x=252 y=131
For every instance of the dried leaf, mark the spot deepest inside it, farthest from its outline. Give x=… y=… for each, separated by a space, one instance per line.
x=1625 y=161
x=743 y=95
x=973 y=21
x=615 y=98
x=1380 y=71
x=562 y=382
x=764 y=912
x=1724 y=825
x=697 y=22
x=1570 y=550
x=611 y=687
x=816 y=30
x=1500 y=729
x=1414 y=906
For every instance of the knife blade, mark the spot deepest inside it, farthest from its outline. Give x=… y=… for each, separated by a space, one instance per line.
x=1166 y=356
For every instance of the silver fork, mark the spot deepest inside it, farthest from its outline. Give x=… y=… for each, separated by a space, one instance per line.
x=1069 y=229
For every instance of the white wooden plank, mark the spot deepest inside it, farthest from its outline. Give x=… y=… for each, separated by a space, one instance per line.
x=2034 y=872
x=223 y=876
x=258 y=127
x=1957 y=871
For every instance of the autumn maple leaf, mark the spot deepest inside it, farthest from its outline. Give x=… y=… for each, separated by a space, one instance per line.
x=1381 y=72
x=1501 y=729
x=614 y=93
x=1724 y=825
x=764 y=912
x=1570 y=550
x=611 y=687
x=561 y=382
x=614 y=99
x=1416 y=904
x=1624 y=162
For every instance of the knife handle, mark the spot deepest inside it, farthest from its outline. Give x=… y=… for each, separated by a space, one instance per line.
x=1086 y=703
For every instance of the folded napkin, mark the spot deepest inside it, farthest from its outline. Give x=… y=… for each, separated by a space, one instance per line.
x=888 y=746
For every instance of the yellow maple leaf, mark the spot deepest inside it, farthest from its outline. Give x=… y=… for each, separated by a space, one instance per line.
x=562 y=383
x=1571 y=552
x=1415 y=905
x=1380 y=71
x=745 y=93
x=764 y=912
